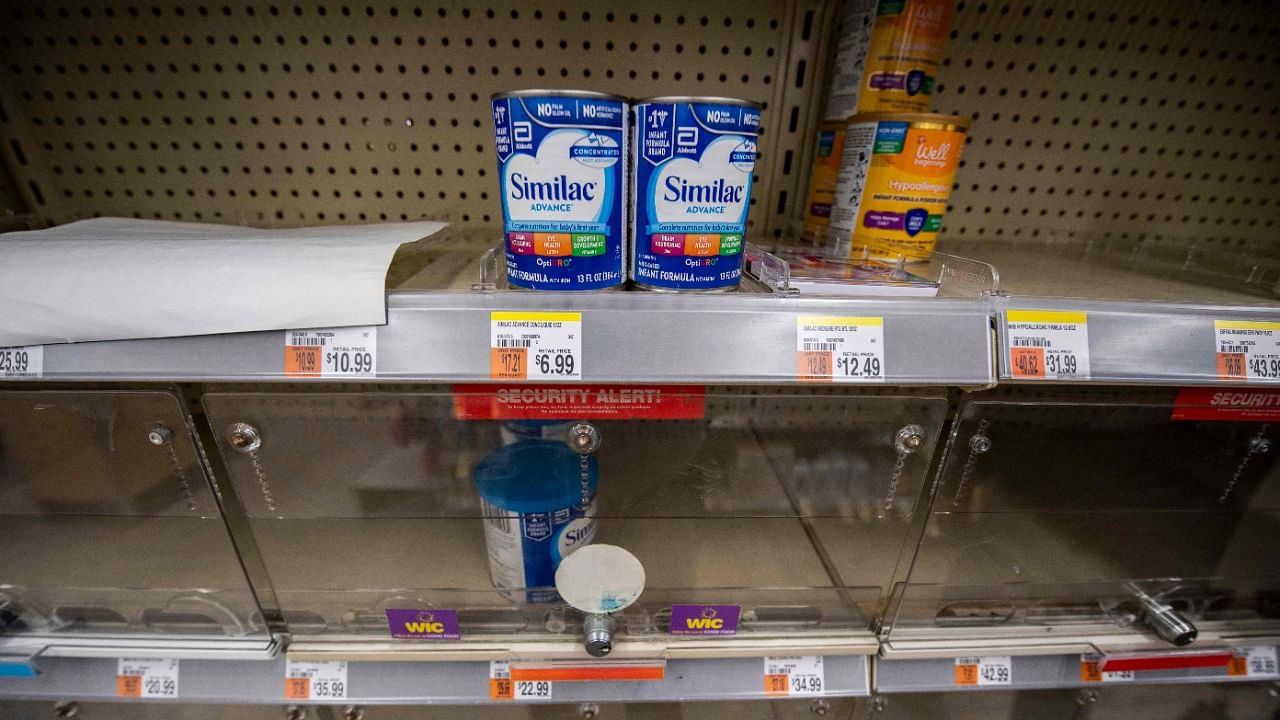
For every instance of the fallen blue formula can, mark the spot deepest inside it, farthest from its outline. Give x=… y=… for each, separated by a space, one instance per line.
x=562 y=161
x=694 y=159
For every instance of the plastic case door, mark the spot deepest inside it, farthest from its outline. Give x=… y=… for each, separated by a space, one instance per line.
x=108 y=523
x=792 y=505
x=1056 y=512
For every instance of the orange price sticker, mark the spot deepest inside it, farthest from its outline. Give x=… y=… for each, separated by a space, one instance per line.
x=301 y=361
x=297 y=688
x=966 y=674
x=1231 y=366
x=776 y=685
x=508 y=363
x=1090 y=672
x=1238 y=666
x=813 y=366
x=129 y=686
x=501 y=689
x=1027 y=362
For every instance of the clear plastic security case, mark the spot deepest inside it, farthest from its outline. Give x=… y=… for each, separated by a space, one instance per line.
x=109 y=526
x=1058 y=511
x=794 y=504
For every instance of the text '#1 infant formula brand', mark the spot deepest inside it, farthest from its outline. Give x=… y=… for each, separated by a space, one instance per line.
x=691 y=191
x=895 y=178
x=562 y=158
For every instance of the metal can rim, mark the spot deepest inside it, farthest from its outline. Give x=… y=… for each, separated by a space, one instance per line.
x=705 y=100
x=950 y=121
x=591 y=94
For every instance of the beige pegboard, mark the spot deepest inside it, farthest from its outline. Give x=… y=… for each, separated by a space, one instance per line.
x=1152 y=118
x=294 y=113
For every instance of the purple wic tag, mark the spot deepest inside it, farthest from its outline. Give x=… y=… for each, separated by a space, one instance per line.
x=704 y=619
x=428 y=624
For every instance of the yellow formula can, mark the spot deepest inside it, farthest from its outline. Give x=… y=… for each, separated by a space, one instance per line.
x=822 y=180
x=895 y=177
x=907 y=42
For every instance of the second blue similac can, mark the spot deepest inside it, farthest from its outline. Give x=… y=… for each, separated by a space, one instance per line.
x=691 y=189
x=562 y=162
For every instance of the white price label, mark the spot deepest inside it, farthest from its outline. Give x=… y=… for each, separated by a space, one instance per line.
x=535 y=346
x=1091 y=671
x=1248 y=351
x=794 y=675
x=331 y=352
x=324 y=680
x=1048 y=344
x=532 y=690
x=840 y=349
x=1258 y=661
x=144 y=678
x=22 y=362
x=990 y=670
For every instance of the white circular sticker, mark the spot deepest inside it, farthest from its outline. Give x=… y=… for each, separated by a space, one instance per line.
x=600 y=579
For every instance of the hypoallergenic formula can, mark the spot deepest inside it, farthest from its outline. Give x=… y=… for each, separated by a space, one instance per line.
x=534 y=517
x=822 y=179
x=691 y=189
x=895 y=177
x=562 y=169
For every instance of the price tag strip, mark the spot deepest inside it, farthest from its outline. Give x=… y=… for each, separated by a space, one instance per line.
x=840 y=349
x=1090 y=671
x=982 y=671
x=1048 y=344
x=1254 y=662
x=22 y=362
x=143 y=678
x=500 y=685
x=324 y=680
x=794 y=675
x=331 y=352
x=535 y=346
x=1248 y=351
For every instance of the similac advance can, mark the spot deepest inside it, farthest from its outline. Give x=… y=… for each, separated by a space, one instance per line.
x=895 y=177
x=531 y=497
x=691 y=190
x=562 y=160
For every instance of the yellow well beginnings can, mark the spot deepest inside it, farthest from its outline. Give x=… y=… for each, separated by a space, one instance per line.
x=822 y=180
x=895 y=177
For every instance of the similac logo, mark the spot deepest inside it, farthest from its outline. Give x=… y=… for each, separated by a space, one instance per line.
x=581 y=531
x=426 y=623
x=708 y=621
x=553 y=186
x=710 y=189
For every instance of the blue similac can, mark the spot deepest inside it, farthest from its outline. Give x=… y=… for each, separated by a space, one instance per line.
x=694 y=159
x=531 y=497
x=562 y=162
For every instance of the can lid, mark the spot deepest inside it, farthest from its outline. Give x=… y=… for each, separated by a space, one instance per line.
x=534 y=476
x=709 y=100
x=956 y=121
x=556 y=93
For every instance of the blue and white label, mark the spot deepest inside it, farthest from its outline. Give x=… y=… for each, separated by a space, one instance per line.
x=526 y=548
x=692 y=192
x=561 y=164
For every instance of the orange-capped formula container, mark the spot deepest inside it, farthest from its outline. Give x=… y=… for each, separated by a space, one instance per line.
x=907 y=44
x=895 y=178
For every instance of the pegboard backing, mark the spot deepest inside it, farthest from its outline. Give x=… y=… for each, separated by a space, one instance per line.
x=327 y=113
x=1152 y=119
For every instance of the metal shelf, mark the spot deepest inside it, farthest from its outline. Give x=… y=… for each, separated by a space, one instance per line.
x=211 y=681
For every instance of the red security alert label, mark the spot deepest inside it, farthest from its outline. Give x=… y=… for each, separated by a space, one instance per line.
x=579 y=402
x=1227 y=404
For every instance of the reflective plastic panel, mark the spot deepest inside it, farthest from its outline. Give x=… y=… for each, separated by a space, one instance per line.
x=108 y=522
x=791 y=503
x=1063 y=507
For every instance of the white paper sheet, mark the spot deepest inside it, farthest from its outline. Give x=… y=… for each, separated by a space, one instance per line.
x=116 y=278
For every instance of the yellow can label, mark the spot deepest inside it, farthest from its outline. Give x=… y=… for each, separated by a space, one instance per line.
x=907 y=44
x=893 y=186
x=822 y=180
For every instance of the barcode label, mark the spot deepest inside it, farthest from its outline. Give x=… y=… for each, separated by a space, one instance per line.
x=819 y=347
x=1032 y=342
x=495 y=516
x=1047 y=344
x=503 y=342
x=1234 y=349
x=1247 y=350
x=840 y=349
x=297 y=341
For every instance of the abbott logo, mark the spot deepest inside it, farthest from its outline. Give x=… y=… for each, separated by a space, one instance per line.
x=522 y=130
x=687 y=136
